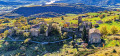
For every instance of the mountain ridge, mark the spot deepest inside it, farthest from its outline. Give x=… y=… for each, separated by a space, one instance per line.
x=91 y=2
x=56 y=9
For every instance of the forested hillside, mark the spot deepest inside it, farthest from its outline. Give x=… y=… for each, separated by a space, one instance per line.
x=53 y=9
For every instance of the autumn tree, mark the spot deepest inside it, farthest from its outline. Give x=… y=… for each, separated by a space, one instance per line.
x=65 y=34
x=114 y=30
x=27 y=40
x=55 y=29
x=102 y=16
x=6 y=33
x=43 y=28
x=6 y=20
x=26 y=34
x=17 y=32
x=103 y=30
x=105 y=11
x=65 y=25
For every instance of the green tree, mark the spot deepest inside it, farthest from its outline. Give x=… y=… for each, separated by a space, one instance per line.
x=62 y=18
x=114 y=30
x=90 y=25
x=73 y=36
x=84 y=34
x=55 y=29
x=43 y=28
x=119 y=17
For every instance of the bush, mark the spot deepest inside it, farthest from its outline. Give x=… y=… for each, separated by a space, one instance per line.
x=114 y=51
x=84 y=53
x=65 y=34
x=72 y=43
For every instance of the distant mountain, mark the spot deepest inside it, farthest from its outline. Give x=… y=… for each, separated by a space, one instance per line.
x=11 y=3
x=53 y=10
x=91 y=2
x=88 y=2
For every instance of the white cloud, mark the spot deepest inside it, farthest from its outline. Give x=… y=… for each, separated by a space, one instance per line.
x=52 y=1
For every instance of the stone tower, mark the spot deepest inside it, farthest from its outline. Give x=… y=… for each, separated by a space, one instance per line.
x=79 y=21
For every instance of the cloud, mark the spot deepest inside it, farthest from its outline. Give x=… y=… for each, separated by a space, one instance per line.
x=52 y=1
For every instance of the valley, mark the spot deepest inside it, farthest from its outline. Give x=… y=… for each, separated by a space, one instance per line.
x=27 y=34
x=59 y=28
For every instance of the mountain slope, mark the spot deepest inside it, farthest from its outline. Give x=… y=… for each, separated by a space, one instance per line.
x=91 y=2
x=88 y=2
x=10 y=3
x=60 y=9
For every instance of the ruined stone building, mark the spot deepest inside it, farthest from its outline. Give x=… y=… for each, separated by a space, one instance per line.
x=34 y=32
x=94 y=36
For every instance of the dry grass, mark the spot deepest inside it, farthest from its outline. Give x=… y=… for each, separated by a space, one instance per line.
x=107 y=52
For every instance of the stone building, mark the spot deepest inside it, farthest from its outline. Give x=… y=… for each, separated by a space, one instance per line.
x=34 y=32
x=86 y=24
x=35 y=29
x=94 y=36
x=81 y=24
x=10 y=32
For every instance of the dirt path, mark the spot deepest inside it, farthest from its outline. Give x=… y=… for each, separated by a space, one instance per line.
x=12 y=40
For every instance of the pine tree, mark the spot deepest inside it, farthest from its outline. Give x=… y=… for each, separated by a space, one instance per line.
x=119 y=17
x=84 y=33
x=90 y=25
x=62 y=18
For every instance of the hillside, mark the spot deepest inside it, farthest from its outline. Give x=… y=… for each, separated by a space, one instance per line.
x=53 y=9
x=11 y=3
x=88 y=2
x=91 y=2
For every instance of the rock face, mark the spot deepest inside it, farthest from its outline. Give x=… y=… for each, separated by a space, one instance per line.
x=94 y=36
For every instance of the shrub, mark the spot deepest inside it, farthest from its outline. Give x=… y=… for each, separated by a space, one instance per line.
x=65 y=34
x=102 y=16
x=114 y=51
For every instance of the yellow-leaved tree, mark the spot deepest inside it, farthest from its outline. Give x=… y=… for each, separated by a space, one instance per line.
x=114 y=30
x=103 y=30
